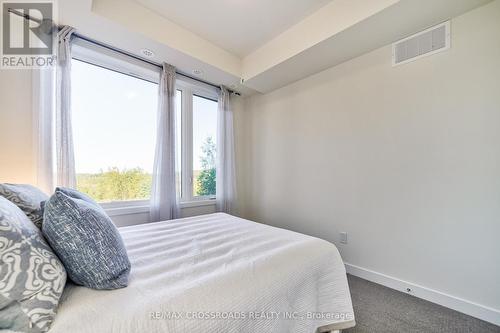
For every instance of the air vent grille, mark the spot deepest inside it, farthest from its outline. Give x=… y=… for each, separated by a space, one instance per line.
x=427 y=42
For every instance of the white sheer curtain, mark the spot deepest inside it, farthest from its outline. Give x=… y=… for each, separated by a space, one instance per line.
x=52 y=106
x=44 y=83
x=226 y=171
x=164 y=195
x=65 y=159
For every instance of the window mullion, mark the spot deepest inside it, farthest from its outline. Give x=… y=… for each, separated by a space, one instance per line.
x=187 y=167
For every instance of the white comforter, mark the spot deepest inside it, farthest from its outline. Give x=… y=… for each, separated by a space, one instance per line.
x=216 y=273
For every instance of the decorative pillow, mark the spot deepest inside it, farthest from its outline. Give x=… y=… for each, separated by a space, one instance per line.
x=26 y=197
x=32 y=278
x=77 y=195
x=86 y=241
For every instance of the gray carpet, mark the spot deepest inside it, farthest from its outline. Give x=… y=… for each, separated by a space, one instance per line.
x=380 y=309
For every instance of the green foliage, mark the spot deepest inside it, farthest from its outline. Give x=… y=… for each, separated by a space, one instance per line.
x=116 y=185
x=205 y=180
x=135 y=184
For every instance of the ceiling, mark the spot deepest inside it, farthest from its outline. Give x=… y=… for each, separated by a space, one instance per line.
x=238 y=26
x=376 y=29
x=255 y=45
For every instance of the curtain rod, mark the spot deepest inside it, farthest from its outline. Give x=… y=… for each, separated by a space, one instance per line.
x=112 y=48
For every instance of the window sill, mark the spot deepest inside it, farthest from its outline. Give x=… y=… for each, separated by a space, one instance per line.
x=126 y=210
x=129 y=208
x=197 y=203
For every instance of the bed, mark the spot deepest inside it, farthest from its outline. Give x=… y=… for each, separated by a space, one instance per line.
x=216 y=273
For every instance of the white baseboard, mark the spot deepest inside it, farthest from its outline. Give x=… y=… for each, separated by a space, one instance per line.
x=470 y=308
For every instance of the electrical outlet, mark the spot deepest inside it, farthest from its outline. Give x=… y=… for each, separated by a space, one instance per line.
x=343 y=237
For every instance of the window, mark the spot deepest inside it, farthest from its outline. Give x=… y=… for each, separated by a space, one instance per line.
x=204 y=146
x=198 y=143
x=114 y=121
x=114 y=109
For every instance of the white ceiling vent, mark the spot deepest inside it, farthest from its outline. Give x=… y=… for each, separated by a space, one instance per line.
x=422 y=44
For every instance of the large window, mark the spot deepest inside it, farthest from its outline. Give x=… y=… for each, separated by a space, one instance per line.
x=114 y=121
x=114 y=109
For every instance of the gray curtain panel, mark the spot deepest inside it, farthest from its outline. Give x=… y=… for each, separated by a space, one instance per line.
x=64 y=135
x=164 y=195
x=226 y=169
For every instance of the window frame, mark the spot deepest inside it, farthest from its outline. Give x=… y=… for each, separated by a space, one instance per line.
x=95 y=55
x=102 y=57
x=190 y=88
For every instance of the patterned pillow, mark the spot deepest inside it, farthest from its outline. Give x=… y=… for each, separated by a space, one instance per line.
x=26 y=197
x=32 y=278
x=86 y=241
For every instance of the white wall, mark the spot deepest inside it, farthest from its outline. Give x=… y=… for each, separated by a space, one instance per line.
x=16 y=136
x=405 y=159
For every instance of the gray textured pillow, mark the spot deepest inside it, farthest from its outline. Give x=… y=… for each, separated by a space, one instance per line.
x=26 y=197
x=32 y=278
x=77 y=195
x=86 y=241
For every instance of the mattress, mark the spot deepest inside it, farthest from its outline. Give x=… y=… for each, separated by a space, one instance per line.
x=216 y=273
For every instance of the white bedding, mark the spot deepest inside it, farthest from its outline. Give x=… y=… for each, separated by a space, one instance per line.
x=264 y=278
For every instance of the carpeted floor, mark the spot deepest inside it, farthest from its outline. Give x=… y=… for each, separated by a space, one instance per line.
x=379 y=309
